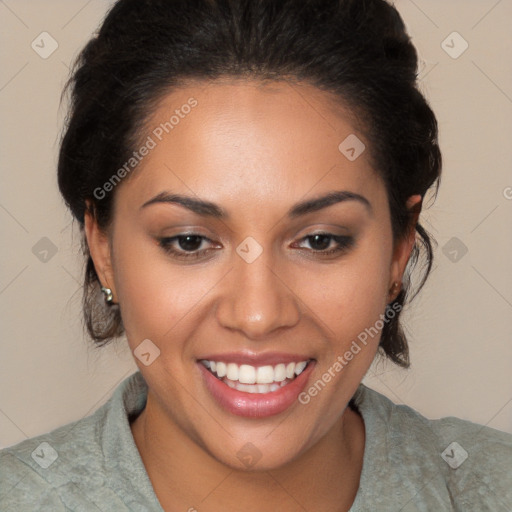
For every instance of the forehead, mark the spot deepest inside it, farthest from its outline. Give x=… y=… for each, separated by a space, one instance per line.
x=265 y=141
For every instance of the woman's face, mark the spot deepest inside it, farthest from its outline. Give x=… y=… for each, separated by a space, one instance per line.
x=252 y=285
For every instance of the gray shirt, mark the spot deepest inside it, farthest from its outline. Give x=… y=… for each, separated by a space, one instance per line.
x=410 y=463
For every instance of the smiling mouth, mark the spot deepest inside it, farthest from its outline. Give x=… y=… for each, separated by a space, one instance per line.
x=255 y=379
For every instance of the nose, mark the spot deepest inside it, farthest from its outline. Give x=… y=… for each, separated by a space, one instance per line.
x=257 y=300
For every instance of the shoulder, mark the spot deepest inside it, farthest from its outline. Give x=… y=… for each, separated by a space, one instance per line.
x=479 y=460
x=89 y=464
x=38 y=471
x=469 y=464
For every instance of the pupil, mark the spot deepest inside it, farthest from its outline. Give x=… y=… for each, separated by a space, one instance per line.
x=320 y=241
x=190 y=242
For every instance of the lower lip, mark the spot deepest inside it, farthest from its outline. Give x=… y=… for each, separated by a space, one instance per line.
x=255 y=405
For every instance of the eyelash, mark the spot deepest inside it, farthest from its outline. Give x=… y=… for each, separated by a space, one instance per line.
x=344 y=243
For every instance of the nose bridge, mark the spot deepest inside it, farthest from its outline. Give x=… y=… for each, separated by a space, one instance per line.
x=256 y=300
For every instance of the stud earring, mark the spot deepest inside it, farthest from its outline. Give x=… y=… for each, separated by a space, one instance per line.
x=395 y=288
x=107 y=292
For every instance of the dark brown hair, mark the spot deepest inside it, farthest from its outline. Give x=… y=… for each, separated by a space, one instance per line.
x=357 y=49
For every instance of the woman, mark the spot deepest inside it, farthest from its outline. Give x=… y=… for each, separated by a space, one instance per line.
x=249 y=177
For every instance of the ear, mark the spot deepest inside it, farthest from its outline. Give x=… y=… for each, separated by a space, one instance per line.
x=99 y=248
x=403 y=247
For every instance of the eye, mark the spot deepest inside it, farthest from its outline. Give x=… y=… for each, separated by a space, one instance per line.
x=185 y=245
x=192 y=245
x=325 y=244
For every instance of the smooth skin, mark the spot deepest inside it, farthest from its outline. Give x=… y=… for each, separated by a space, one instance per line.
x=255 y=150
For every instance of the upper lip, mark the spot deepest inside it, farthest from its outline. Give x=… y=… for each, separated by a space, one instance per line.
x=255 y=359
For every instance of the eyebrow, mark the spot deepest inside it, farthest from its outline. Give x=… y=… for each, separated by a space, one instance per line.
x=209 y=209
x=339 y=196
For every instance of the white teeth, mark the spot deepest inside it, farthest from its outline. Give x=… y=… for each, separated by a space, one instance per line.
x=221 y=369
x=247 y=374
x=280 y=373
x=244 y=387
x=232 y=372
x=256 y=388
x=299 y=367
x=265 y=375
x=261 y=375
x=263 y=388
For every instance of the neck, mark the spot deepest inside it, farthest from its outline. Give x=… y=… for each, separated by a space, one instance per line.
x=184 y=476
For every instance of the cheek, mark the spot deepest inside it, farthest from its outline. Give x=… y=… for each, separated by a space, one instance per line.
x=156 y=296
x=351 y=295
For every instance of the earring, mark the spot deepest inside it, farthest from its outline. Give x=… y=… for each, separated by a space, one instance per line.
x=108 y=295
x=396 y=287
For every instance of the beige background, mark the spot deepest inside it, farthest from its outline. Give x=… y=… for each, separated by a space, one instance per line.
x=461 y=324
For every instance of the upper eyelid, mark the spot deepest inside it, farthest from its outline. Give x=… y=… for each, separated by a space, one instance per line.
x=175 y=238
x=340 y=240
